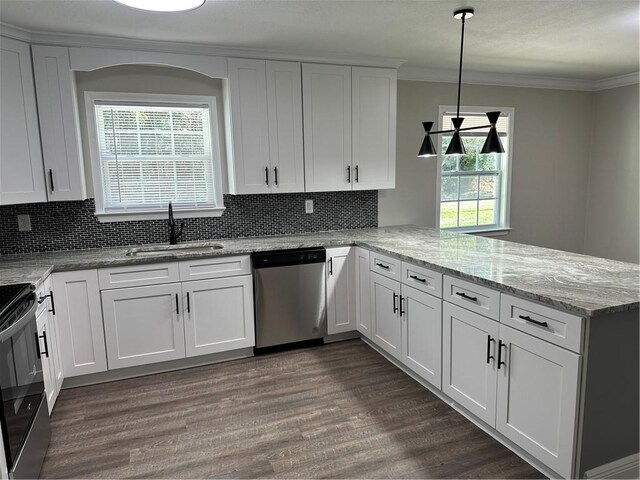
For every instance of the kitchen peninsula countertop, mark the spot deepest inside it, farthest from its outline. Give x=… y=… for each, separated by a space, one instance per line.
x=581 y=284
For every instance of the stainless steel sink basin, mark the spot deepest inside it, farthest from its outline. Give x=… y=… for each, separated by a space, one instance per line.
x=169 y=249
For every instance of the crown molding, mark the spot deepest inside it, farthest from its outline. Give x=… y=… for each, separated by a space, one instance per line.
x=123 y=43
x=615 y=82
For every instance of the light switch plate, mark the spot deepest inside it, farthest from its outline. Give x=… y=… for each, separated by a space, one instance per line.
x=308 y=206
x=24 y=223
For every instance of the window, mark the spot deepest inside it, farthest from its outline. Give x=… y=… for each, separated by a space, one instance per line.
x=474 y=188
x=149 y=150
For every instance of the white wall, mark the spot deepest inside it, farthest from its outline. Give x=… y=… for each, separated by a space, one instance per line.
x=147 y=79
x=612 y=213
x=549 y=167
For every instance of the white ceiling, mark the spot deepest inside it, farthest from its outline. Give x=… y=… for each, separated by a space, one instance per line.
x=576 y=39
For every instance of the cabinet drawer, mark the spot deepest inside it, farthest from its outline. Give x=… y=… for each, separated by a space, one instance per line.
x=563 y=329
x=422 y=278
x=138 y=275
x=387 y=266
x=215 y=267
x=471 y=296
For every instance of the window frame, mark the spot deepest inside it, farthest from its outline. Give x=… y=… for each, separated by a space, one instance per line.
x=504 y=199
x=91 y=97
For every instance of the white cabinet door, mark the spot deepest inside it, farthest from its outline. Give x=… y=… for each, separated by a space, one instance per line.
x=284 y=104
x=363 y=298
x=79 y=319
x=46 y=357
x=21 y=170
x=469 y=360
x=385 y=314
x=249 y=168
x=374 y=128
x=143 y=325
x=422 y=333
x=537 y=398
x=218 y=315
x=54 y=332
x=326 y=99
x=59 y=124
x=341 y=305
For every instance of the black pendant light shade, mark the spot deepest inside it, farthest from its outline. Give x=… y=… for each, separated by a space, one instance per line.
x=492 y=144
x=456 y=147
x=427 y=149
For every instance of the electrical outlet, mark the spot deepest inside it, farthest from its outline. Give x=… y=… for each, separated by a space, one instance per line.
x=308 y=206
x=24 y=223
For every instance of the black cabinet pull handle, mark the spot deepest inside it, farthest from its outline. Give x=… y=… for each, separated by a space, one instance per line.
x=177 y=305
x=348 y=173
x=357 y=175
x=401 y=300
x=395 y=307
x=266 y=175
x=188 y=303
x=489 y=356
x=46 y=346
x=53 y=305
x=382 y=265
x=53 y=189
x=423 y=280
x=275 y=174
x=330 y=265
x=468 y=297
x=500 y=345
x=527 y=318
x=35 y=334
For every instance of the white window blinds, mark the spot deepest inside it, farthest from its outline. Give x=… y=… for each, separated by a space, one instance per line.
x=153 y=154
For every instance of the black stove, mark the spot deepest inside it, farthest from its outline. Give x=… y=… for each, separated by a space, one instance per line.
x=9 y=293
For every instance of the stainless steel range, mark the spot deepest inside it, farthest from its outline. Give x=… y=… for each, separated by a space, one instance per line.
x=24 y=417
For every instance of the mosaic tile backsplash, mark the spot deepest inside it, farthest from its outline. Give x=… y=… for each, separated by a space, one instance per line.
x=73 y=225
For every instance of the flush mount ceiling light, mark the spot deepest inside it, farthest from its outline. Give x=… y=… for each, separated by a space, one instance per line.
x=491 y=145
x=162 y=5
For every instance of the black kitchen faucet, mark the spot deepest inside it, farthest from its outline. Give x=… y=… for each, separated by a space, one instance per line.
x=173 y=235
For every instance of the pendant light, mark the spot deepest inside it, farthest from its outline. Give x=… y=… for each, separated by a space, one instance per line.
x=163 y=6
x=456 y=147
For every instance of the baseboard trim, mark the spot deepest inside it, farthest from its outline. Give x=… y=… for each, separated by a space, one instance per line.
x=627 y=467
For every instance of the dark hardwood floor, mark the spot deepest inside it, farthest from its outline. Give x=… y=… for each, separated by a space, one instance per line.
x=336 y=411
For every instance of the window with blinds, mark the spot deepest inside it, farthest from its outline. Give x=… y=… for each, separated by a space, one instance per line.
x=474 y=187
x=153 y=153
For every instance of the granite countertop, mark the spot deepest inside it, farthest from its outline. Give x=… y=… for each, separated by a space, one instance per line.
x=587 y=286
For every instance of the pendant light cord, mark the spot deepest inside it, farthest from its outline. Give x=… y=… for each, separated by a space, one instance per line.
x=460 y=68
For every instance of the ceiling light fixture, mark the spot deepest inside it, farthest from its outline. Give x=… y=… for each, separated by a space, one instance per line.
x=162 y=5
x=491 y=145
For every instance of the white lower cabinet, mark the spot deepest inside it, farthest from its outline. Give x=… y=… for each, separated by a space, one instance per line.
x=219 y=315
x=385 y=314
x=79 y=321
x=422 y=333
x=537 y=398
x=46 y=348
x=143 y=325
x=341 y=305
x=469 y=360
x=363 y=298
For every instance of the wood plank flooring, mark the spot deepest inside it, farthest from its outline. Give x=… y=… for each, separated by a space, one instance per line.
x=336 y=411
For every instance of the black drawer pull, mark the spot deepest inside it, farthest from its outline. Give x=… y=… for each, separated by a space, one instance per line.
x=468 y=297
x=382 y=265
x=527 y=318
x=489 y=356
x=423 y=280
x=357 y=175
x=395 y=307
x=53 y=189
x=177 y=305
x=330 y=265
x=349 y=174
x=500 y=345
x=275 y=174
x=266 y=176
x=401 y=300
x=188 y=303
x=35 y=334
x=53 y=305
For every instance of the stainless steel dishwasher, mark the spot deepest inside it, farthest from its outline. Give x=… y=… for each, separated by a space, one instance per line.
x=290 y=296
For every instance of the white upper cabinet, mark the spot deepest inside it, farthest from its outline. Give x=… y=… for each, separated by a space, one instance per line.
x=374 y=128
x=284 y=105
x=266 y=127
x=326 y=98
x=59 y=125
x=21 y=170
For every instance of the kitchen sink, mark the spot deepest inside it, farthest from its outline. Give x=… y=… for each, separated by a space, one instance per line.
x=169 y=249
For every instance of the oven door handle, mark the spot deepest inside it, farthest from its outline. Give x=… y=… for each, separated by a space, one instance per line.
x=20 y=323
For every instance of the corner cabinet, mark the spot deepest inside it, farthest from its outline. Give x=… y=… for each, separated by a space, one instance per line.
x=59 y=123
x=341 y=295
x=21 y=170
x=265 y=117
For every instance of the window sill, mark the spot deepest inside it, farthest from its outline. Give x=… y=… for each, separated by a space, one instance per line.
x=108 y=217
x=493 y=232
